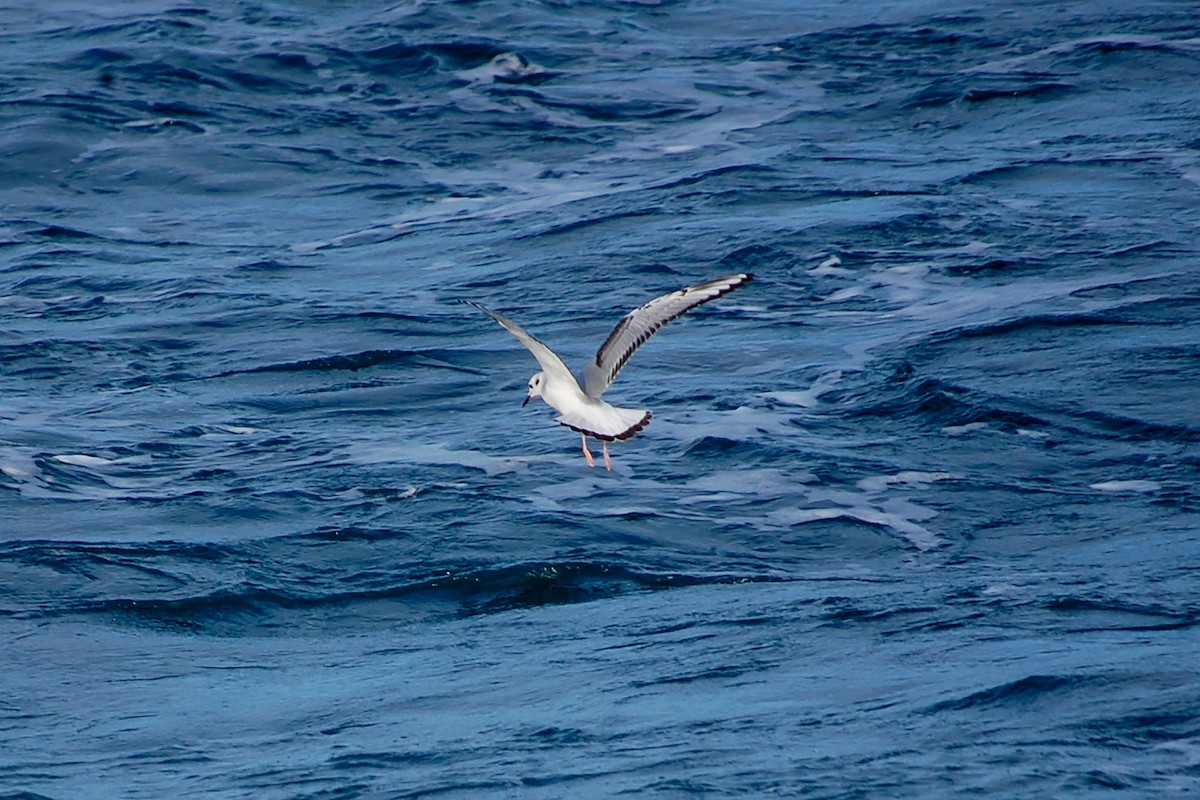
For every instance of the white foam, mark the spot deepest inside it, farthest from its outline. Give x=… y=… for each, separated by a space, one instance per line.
x=506 y=66
x=16 y=465
x=809 y=397
x=81 y=460
x=906 y=478
x=831 y=267
x=1126 y=486
x=758 y=482
x=962 y=430
x=717 y=497
x=919 y=537
x=572 y=490
x=843 y=295
x=743 y=423
x=420 y=453
x=236 y=430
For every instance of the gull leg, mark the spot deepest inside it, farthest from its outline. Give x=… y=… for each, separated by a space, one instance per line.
x=607 y=460
x=587 y=453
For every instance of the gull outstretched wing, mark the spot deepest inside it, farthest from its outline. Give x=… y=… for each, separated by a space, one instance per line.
x=551 y=364
x=640 y=324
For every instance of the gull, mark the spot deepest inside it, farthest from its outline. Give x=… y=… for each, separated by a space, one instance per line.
x=581 y=409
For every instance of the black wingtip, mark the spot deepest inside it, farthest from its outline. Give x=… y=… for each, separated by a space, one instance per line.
x=473 y=304
x=732 y=282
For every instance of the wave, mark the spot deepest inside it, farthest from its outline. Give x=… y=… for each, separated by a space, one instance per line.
x=976 y=91
x=1019 y=693
x=440 y=359
x=944 y=404
x=182 y=586
x=1110 y=614
x=934 y=402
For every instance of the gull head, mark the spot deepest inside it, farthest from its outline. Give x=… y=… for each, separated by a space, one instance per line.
x=535 y=387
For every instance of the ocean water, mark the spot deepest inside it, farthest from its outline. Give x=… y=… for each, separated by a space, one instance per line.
x=917 y=515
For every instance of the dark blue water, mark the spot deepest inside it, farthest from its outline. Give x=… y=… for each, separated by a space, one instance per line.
x=917 y=516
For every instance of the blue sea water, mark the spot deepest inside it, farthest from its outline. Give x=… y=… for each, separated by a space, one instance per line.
x=917 y=515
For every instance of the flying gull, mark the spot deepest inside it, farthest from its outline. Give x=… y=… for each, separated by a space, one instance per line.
x=582 y=410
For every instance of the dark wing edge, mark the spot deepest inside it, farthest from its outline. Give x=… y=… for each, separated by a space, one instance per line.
x=644 y=321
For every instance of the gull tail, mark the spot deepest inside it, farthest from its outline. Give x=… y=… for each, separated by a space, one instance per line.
x=607 y=423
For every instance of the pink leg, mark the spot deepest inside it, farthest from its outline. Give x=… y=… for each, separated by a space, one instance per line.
x=607 y=460
x=587 y=453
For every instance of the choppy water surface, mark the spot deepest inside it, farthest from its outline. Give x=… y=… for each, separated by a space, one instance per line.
x=917 y=514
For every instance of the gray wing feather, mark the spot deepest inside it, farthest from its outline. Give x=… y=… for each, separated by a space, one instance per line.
x=551 y=364
x=640 y=324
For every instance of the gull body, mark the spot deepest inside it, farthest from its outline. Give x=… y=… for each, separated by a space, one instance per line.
x=581 y=408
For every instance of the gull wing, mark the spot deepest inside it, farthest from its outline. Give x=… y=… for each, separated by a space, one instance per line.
x=551 y=364
x=640 y=324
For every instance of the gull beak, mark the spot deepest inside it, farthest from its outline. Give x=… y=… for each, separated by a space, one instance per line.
x=527 y=399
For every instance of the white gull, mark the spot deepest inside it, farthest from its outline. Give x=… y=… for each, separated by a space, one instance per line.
x=582 y=410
